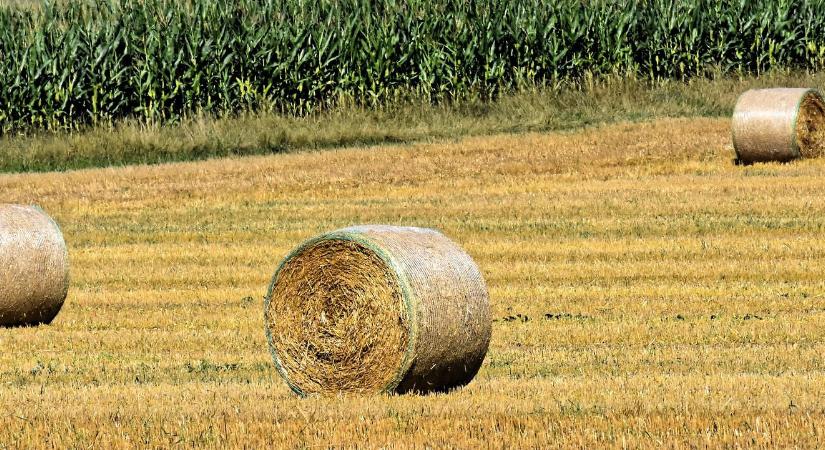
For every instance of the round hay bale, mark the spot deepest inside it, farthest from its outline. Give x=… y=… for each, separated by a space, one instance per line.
x=779 y=125
x=377 y=308
x=34 y=266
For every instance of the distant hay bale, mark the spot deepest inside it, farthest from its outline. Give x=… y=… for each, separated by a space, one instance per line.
x=377 y=308
x=779 y=125
x=34 y=266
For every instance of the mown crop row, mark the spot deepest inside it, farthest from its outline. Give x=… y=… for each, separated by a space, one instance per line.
x=78 y=62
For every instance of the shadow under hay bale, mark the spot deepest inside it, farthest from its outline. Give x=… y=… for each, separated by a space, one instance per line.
x=377 y=308
x=34 y=267
x=778 y=125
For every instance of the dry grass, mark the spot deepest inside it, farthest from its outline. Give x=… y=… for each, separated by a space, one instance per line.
x=646 y=293
x=335 y=319
x=810 y=126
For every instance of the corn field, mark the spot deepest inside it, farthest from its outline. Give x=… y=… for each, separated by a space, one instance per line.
x=70 y=64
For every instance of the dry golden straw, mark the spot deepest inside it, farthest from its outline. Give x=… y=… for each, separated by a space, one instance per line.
x=377 y=308
x=34 y=266
x=779 y=125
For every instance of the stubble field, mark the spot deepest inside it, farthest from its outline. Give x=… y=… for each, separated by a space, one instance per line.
x=646 y=292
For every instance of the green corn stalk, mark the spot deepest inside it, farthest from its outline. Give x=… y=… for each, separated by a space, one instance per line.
x=66 y=65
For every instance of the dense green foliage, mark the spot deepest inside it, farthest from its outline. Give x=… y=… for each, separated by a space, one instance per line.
x=160 y=60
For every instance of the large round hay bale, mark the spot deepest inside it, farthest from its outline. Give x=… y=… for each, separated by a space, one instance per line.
x=34 y=266
x=377 y=308
x=778 y=125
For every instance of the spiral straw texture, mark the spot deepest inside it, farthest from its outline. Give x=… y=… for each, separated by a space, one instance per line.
x=779 y=125
x=377 y=308
x=34 y=266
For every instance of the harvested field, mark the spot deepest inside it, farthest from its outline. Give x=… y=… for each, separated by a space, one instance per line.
x=645 y=292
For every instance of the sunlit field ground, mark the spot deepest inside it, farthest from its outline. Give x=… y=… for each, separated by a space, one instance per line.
x=646 y=292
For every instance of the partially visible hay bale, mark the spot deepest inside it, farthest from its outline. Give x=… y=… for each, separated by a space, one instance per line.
x=377 y=309
x=34 y=266
x=779 y=125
